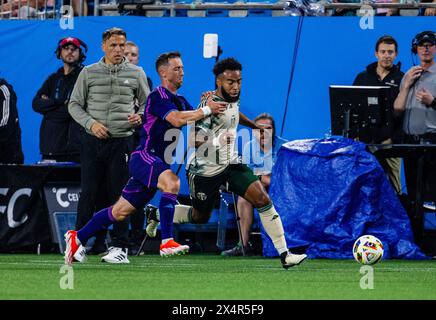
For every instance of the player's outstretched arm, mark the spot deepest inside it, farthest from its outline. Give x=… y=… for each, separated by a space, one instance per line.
x=180 y=118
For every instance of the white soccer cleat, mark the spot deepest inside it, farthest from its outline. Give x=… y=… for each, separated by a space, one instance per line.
x=289 y=259
x=171 y=248
x=115 y=255
x=80 y=255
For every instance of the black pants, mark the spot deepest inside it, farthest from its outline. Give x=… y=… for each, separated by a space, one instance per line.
x=11 y=151
x=429 y=168
x=104 y=172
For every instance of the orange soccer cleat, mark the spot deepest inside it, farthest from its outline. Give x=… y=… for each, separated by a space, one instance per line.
x=171 y=248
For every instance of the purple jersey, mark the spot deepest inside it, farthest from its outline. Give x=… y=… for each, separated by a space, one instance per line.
x=159 y=104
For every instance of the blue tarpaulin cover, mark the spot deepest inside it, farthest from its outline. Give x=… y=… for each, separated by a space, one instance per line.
x=329 y=192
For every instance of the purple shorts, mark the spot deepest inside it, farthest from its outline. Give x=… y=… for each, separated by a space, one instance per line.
x=145 y=170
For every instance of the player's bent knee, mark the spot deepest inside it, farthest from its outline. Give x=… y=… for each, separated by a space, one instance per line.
x=261 y=200
x=171 y=185
x=121 y=215
x=174 y=187
x=118 y=216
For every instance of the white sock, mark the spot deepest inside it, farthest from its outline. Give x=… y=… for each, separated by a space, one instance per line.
x=182 y=214
x=273 y=226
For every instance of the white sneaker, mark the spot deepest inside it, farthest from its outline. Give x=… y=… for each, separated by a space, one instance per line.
x=289 y=259
x=115 y=255
x=80 y=255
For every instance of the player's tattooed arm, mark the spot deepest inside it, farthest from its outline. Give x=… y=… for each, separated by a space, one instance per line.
x=245 y=121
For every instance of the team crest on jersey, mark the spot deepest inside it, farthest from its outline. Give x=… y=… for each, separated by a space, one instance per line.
x=201 y=196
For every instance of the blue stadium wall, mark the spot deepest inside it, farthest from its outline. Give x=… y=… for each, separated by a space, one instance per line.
x=330 y=51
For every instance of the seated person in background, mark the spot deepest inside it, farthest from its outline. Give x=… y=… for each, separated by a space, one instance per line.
x=411 y=11
x=428 y=11
x=259 y=154
x=76 y=7
x=385 y=11
x=385 y=73
x=59 y=133
x=344 y=12
x=10 y=132
x=23 y=8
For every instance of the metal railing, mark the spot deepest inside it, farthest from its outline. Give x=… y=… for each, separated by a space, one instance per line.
x=357 y=6
x=41 y=9
x=26 y=9
x=306 y=8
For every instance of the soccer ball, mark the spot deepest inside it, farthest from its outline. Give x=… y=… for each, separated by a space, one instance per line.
x=368 y=250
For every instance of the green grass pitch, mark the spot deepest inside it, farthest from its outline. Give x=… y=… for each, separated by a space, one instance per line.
x=212 y=277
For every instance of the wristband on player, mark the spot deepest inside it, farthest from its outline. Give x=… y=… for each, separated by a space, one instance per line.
x=206 y=111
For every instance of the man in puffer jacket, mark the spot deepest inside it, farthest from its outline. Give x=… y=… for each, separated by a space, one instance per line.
x=102 y=102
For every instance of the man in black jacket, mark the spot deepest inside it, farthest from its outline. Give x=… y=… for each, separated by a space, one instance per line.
x=385 y=73
x=10 y=131
x=59 y=133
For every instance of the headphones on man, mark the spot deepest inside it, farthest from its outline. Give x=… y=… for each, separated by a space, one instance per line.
x=77 y=42
x=421 y=36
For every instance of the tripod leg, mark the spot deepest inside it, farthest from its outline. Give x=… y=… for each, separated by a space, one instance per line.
x=142 y=245
x=238 y=223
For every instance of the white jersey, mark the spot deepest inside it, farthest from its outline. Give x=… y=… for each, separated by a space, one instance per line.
x=213 y=158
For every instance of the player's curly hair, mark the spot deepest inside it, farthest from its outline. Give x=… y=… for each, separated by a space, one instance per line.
x=226 y=64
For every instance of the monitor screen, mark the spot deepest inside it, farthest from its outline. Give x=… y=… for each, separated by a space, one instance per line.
x=360 y=112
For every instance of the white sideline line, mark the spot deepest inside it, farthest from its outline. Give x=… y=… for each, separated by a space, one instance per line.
x=146 y=264
x=129 y=266
x=104 y=263
x=273 y=266
x=107 y=265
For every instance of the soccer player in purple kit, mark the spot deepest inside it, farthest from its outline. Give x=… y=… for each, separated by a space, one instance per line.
x=165 y=110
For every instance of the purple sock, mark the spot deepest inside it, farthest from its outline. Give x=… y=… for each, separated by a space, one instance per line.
x=166 y=211
x=101 y=220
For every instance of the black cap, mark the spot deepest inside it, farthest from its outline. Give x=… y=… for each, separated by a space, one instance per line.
x=427 y=36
